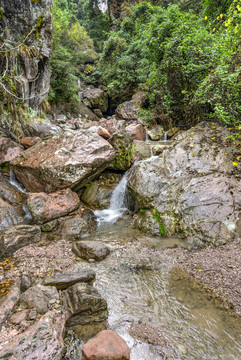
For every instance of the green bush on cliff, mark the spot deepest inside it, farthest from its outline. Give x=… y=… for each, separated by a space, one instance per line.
x=188 y=64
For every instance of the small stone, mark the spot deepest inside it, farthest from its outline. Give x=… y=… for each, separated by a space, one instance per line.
x=18 y=317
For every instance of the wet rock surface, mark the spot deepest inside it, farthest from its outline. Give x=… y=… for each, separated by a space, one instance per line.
x=42 y=340
x=90 y=250
x=18 y=236
x=84 y=305
x=65 y=280
x=106 y=344
x=46 y=207
x=70 y=159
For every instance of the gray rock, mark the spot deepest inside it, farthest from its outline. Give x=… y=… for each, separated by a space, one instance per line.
x=9 y=303
x=128 y=110
x=8 y=150
x=38 y=297
x=26 y=282
x=96 y=99
x=90 y=250
x=142 y=150
x=10 y=215
x=71 y=160
x=190 y=189
x=42 y=340
x=17 y=237
x=50 y=226
x=77 y=227
x=65 y=280
x=84 y=305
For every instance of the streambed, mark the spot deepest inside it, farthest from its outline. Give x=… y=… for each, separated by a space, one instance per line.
x=142 y=287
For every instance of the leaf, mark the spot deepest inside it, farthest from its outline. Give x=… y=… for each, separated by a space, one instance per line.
x=235 y=163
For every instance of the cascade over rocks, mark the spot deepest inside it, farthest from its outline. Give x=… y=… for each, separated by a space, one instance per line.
x=190 y=189
x=70 y=159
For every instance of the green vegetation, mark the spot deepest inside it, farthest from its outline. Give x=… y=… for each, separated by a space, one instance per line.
x=188 y=64
x=156 y=215
x=186 y=56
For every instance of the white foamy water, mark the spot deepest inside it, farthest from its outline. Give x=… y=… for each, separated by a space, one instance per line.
x=14 y=182
x=117 y=204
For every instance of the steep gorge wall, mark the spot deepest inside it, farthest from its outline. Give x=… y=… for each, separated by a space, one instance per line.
x=25 y=45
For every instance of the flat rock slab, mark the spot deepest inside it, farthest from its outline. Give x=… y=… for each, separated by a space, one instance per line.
x=71 y=159
x=47 y=207
x=90 y=250
x=17 y=237
x=65 y=280
x=39 y=297
x=106 y=345
x=42 y=340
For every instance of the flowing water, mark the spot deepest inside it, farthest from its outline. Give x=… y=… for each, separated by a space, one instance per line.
x=139 y=281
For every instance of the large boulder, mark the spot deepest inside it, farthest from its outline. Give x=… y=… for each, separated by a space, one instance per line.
x=106 y=345
x=8 y=150
x=71 y=159
x=38 y=297
x=128 y=110
x=84 y=305
x=90 y=250
x=42 y=340
x=96 y=99
x=46 y=207
x=122 y=143
x=191 y=188
x=17 y=237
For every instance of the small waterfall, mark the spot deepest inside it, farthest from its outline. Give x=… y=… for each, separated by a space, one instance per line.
x=165 y=137
x=14 y=182
x=117 y=204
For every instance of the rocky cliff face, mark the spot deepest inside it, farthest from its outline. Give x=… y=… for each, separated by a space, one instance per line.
x=25 y=44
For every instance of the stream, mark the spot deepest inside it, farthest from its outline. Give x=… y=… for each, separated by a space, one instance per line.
x=141 y=286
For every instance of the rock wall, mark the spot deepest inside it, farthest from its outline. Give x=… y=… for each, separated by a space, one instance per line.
x=25 y=44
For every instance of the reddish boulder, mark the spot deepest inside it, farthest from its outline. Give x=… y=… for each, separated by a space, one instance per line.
x=103 y=133
x=8 y=150
x=28 y=142
x=47 y=207
x=106 y=345
x=67 y=160
x=136 y=131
